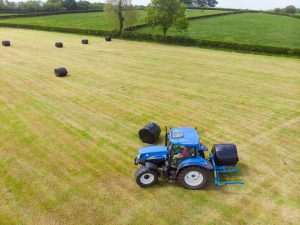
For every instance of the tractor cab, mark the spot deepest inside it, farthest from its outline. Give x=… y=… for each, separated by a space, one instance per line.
x=183 y=143
x=178 y=153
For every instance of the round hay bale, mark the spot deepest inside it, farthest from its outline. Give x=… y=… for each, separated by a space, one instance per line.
x=60 y=72
x=6 y=43
x=150 y=133
x=225 y=154
x=85 y=41
x=59 y=44
x=108 y=38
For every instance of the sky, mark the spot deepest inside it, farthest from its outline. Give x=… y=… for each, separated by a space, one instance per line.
x=245 y=4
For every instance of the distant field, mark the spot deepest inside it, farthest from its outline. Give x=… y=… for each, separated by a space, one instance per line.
x=192 y=13
x=7 y=14
x=248 y=28
x=67 y=145
x=98 y=20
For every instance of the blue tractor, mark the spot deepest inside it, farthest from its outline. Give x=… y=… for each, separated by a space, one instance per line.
x=183 y=159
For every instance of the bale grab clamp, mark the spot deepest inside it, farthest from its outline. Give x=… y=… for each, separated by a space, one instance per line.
x=223 y=169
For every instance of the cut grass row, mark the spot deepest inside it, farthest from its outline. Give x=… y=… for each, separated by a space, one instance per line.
x=67 y=145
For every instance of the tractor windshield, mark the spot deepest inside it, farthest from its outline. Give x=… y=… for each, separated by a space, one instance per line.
x=180 y=152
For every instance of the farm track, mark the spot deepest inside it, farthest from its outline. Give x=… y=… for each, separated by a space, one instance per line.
x=67 y=145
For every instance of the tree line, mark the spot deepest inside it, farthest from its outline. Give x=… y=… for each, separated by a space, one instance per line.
x=49 y=5
x=200 y=3
x=290 y=9
x=52 y=5
x=62 y=5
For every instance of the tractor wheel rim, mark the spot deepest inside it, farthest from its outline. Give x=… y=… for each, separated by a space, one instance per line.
x=193 y=178
x=147 y=178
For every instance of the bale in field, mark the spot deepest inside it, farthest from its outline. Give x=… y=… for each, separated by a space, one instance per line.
x=60 y=72
x=225 y=154
x=59 y=44
x=6 y=43
x=108 y=38
x=150 y=133
x=85 y=41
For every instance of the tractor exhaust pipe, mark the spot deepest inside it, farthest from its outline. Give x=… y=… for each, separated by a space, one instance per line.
x=166 y=137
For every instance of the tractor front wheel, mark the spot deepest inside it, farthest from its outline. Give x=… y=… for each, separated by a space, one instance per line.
x=146 y=177
x=193 y=177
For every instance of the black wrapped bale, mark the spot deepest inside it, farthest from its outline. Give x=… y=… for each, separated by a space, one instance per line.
x=225 y=154
x=108 y=38
x=60 y=72
x=6 y=43
x=85 y=41
x=150 y=133
x=59 y=45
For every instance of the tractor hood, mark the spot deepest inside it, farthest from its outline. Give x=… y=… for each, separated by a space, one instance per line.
x=152 y=152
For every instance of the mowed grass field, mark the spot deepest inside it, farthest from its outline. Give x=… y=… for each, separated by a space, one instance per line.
x=97 y=20
x=67 y=144
x=246 y=28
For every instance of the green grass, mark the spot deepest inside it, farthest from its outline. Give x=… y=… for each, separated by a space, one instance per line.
x=192 y=13
x=98 y=20
x=7 y=14
x=67 y=144
x=248 y=28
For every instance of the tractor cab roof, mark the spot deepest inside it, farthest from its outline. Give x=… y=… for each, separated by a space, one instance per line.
x=185 y=136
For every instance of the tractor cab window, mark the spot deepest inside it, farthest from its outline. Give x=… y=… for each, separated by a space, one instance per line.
x=179 y=152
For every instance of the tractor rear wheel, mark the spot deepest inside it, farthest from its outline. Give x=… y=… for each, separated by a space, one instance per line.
x=146 y=177
x=193 y=177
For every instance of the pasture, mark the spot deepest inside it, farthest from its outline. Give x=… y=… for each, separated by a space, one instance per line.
x=97 y=20
x=7 y=14
x=247 y=28
x=67 y=144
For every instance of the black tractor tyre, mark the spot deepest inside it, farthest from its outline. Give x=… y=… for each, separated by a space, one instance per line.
x=146 y=177
x=193 y=177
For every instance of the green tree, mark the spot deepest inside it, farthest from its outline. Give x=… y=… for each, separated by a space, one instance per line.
x=167 y=13
x=32 y=6
x=53 y=5
x=277 y=10
x=83 y=5
x=119 y=11
x=1 y=4
x=10 y=5
x=69 y=4
x=291 y=9
x=202 y=3
x=212 y=3
x=97 y=6
x=187 y=2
